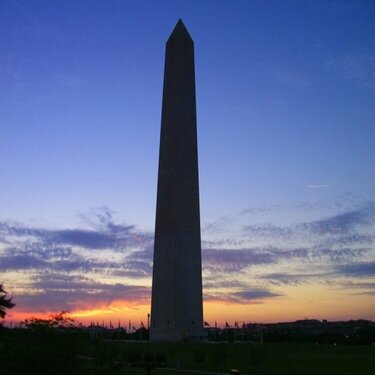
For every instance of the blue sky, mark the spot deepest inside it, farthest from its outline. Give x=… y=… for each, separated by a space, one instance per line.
x=286 y=130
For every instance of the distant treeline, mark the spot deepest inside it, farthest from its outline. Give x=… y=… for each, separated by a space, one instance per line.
x=314 y=331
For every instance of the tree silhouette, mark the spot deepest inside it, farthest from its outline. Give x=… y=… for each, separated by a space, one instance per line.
x=5 y=302
x=58 y=320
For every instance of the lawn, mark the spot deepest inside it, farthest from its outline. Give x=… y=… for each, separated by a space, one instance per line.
x=272 y=359
x=28 y=353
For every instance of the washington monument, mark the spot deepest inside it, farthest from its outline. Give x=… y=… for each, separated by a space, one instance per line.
x=176 y=306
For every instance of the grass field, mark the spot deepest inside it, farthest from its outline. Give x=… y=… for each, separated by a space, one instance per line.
x=272 y=359
x=28 y=353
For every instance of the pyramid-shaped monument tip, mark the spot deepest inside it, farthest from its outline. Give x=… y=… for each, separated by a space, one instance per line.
x=180 y=31
x=180 y=23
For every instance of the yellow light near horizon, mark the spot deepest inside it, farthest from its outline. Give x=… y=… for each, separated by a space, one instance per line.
x=315 y=301
x=119 y=311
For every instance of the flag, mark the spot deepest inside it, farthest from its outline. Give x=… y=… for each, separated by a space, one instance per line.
x=227 y=325
x=236 y=324
x=206 y=324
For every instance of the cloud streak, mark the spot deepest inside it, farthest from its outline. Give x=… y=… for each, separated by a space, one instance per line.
x=344 y=222
x=249 y=296
x=360 y=269
x=105 y=234
x=66 y=268
x=72 y=292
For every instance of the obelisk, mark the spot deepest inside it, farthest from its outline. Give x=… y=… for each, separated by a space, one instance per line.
x=176 y=307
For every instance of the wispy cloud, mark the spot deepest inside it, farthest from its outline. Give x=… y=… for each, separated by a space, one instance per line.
x=293 y=278
x=358 y=288
x=233 y=260
x=317 y=186
x=269 y=231
x=71 y=292
x=213 y=283
x=248 y=296
x=236 y=261
x=344 y=222
x=360 y=269
x=106 y=260
x=105 y=234
x=53 y=259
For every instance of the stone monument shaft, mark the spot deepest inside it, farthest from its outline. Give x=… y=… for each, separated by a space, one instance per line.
x=176 y=307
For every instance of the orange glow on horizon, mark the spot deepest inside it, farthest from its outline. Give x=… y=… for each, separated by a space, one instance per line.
x=313 y=301
x=291 y=308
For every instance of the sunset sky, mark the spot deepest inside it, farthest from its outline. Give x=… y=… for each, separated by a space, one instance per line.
x=286 y=136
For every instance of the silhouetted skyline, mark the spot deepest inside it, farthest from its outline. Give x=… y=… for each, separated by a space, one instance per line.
x=285 y=111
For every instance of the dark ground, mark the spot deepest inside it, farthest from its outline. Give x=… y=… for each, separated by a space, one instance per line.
x=71 y=351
